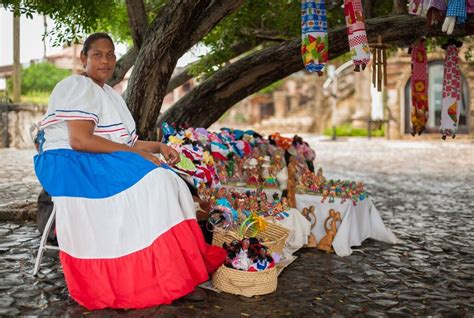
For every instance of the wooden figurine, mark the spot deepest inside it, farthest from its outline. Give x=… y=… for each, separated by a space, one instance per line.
x=311 y=217
x=292 y=181
x=325 y=243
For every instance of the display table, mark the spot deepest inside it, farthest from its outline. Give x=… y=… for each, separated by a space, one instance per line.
x=359 y=222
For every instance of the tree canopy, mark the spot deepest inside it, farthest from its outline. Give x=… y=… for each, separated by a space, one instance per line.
x=244 y=38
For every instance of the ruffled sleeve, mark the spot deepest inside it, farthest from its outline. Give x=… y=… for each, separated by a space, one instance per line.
x=74 y=98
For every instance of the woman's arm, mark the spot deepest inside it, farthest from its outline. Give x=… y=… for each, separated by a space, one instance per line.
x=150 y=146
x=82 y=138
x=170 y=154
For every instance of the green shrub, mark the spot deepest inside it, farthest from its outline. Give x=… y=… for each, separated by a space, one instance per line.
x=40 y=77
x=346 y=130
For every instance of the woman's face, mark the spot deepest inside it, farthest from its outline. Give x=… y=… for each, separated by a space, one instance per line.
x=100 y=61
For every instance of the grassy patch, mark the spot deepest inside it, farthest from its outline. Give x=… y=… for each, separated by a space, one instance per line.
x=346 y=130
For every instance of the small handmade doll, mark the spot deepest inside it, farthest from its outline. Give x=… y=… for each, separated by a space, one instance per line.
x=232 y=250
x=456 y=14
x=263 y=260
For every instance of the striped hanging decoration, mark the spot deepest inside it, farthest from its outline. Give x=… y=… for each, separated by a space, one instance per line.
x=451 y=111
x=314 y=47
x=419 y=87
x=358 y=44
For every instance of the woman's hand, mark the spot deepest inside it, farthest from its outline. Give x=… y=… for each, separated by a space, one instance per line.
x=149 y=156
x=170 y=154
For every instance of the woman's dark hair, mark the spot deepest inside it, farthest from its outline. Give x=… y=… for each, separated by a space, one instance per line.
x=94 y=37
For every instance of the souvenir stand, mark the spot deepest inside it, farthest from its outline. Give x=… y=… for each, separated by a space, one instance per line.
x=267 y=202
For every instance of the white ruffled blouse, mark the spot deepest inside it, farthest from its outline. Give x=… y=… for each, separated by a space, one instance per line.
x=78 y=98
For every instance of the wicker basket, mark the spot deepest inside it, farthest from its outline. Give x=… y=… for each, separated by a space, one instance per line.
x=245 y=283
x=274 y=237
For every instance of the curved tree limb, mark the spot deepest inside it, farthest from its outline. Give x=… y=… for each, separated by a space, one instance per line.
x=207 y=102
x=185 y=75
x=122 y=66
x=186 y=19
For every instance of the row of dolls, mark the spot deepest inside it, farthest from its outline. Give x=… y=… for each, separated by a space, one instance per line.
x=229 y=207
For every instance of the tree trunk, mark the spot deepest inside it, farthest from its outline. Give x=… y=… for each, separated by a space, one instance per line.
x=16 y=60
x=368 y=8
x=177 y=27
x=137 y=20
x=207 y=102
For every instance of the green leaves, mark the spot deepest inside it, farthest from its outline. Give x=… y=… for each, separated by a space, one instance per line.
x=73 y=19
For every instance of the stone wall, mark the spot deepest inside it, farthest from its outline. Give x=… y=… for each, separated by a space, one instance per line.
x=17 y=122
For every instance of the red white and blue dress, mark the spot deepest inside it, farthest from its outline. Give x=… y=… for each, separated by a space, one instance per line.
x=126 y=228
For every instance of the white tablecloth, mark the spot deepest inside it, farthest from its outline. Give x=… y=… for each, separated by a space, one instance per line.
x=299 y=227
x=358 y=223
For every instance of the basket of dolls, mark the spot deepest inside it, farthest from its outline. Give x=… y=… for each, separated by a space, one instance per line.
x=245 y=283
x=249 y=269
x=273 y=236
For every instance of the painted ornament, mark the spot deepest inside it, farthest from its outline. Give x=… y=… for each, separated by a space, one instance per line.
x=314 y=47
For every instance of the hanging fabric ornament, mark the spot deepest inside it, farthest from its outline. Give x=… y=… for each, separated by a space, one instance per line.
x=314 y=47
x=451 y=90
x=456 y=13
x=358 y=44
x=419 y=87
x=470 y=6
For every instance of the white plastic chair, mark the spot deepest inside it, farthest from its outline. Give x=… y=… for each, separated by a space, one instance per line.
x=44 y=240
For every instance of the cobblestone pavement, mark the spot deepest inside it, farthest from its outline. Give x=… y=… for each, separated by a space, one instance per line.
x=423 y=190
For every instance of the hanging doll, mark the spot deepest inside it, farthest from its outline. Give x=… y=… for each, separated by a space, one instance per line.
x=435 y=12
x=456 y=13
x=451 y=89
x=314 y=48
x=358 y=43
x=419 y=87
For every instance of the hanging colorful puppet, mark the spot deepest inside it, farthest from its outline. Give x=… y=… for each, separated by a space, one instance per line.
x=456 y=13
x=314 y=47
x=419 y=87
x=451 y=89
x=358 y=44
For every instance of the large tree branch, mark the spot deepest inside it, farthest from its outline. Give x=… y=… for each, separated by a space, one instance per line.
x=177 y=27
x=185 y=75
x=137 y=20
x=208 y=101
x=122 y=66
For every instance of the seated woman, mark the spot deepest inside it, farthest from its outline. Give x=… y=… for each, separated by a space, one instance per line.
x=126 y=224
